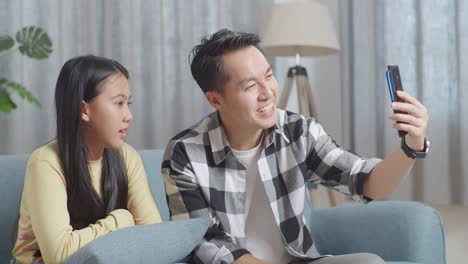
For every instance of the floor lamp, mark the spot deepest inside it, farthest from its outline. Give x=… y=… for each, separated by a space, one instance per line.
x=299 y=29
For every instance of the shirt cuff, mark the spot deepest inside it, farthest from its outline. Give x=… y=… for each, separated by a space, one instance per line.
x=239 y=253
x=123 y=218
x=361 y=178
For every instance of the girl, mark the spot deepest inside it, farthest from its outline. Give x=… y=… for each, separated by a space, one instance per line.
x=87 y=182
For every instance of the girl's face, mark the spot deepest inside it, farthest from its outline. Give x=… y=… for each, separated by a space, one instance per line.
x=106 y=118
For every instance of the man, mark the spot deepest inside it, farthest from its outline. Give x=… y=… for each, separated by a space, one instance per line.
x=245 y=165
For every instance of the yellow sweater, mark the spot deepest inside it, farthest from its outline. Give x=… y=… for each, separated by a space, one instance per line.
x=44 y=205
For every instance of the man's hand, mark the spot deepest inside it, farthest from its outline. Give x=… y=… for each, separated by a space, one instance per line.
x=33 y=247
x=249 y=259
x=388 y=174
x=416 y=120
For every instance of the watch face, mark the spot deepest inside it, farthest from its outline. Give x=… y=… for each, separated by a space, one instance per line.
x=422 y=154
x=428 y=144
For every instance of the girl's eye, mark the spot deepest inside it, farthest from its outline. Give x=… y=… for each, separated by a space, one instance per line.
x=129 y=102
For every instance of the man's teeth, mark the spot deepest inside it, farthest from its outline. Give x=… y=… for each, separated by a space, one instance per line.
x=266 y=108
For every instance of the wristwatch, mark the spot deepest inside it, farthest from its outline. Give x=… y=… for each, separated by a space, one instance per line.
x=411 y=153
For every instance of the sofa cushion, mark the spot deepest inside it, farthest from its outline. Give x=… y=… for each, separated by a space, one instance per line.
x=12 y=170
x=167 y=242
x=391 y=262
x=152 y=161
x=394 y=230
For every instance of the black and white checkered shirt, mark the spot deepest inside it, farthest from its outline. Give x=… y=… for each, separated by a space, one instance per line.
x=204 y=178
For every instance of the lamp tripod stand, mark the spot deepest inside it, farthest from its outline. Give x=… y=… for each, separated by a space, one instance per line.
x=298 y=75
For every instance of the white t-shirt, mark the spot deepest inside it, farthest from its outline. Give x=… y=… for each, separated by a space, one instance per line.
x=262 y=236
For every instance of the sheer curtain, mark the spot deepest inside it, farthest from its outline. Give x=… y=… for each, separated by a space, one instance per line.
x=151 y=38
x=427 y=39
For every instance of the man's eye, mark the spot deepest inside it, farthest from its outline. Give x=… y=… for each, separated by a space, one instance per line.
x=249 y=86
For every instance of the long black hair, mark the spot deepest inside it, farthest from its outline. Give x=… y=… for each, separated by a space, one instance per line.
x=79 y=81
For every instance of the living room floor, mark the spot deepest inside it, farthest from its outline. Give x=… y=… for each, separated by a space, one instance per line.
x=455 y=219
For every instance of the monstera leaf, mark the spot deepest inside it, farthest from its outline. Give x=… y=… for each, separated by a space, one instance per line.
x=25 y=94
x=34 y=42
x=6 y=103
x=6 y=43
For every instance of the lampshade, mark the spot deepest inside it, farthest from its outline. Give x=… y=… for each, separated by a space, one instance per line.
x=298 y=28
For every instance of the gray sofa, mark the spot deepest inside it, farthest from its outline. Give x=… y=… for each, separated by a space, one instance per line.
x=400 y=232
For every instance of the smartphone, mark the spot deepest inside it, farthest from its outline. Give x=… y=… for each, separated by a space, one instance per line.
x=395 y=84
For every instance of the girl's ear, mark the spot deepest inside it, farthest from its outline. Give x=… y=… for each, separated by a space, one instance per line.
x=84 y=111
x=215 y=99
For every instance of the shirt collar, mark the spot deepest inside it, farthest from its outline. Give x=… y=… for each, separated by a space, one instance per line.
x=219 y=144
x=218 y=140
x=277 y=129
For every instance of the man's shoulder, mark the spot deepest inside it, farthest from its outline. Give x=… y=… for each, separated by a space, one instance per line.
x=201 y=127
x=193 y=139
x=295 y=126
x=286 y=117
x=288 y=120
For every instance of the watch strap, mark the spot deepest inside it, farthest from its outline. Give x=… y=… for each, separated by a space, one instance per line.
x=413 y=154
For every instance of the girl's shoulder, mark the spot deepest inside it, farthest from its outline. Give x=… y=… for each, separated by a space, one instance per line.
x=128 y=150
x=129 y=154
x=48 y=152
x=132 y=160
x=45 y=160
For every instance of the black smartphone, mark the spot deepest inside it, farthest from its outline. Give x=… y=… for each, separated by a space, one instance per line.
x=395 y=84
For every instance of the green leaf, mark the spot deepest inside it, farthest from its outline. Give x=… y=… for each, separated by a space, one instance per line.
x=6 y=42
x=25 y=94
x=34 y=42
x=3 y=81
x=6 y=104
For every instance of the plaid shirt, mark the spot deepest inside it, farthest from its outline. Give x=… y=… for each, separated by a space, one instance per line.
x=204 y=178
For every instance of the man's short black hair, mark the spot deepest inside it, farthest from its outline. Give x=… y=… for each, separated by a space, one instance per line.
x=206 y=65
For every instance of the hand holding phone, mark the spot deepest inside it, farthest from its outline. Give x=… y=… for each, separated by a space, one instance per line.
x=394 y=84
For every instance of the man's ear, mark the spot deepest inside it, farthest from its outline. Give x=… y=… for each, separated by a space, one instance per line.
x=215 y=99
x=84 y=111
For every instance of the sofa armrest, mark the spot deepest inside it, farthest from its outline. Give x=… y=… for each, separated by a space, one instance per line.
x=166 y=242
x=396 y=231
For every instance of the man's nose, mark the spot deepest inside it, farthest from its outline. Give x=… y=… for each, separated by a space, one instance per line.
x=266 y=91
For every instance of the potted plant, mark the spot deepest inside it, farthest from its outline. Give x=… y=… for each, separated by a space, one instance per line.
x=33 y=42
